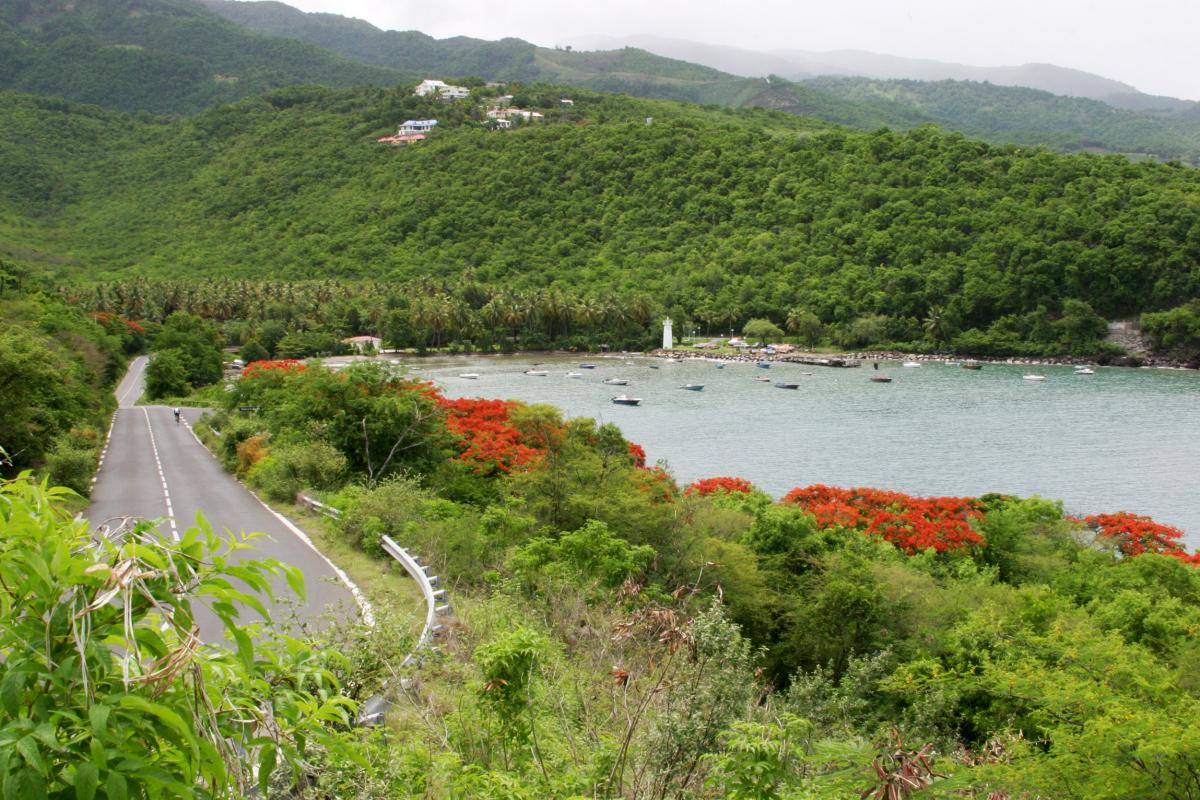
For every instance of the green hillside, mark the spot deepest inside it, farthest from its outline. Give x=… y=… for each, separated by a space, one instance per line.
x=1002 y=114
x=721 y=215
x=162 y=56
x=1024 y=116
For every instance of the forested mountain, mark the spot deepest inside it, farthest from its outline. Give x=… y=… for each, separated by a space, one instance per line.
x=162 y=56
x=721 y=215
x=973 y=104
x=1021 y=116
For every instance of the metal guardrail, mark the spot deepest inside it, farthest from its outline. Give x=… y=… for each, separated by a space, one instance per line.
x=436 y=606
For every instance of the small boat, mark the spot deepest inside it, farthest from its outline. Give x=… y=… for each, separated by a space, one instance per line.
x=781 y=385
x=1084 y=371
x=764 y=365
x=672 y=360
x=616 y=381
x=763 y=379
x=1032 y=376
x=587 y=366
x=574 y=375
x=971 y=366
x=911 y=364
x=806 y=373
x=880 y=379
x=626 y=400
x=653 y=366
x=471 y=376
x=693 y=387
x=541 y=373
x=952 y=364
x=720 y=365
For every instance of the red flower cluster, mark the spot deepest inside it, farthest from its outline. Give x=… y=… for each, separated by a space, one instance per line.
x=112 y=321
x=639 y=455
x=911 y=523
x=485 y=435
x=706 y=486
x=1136 y=534
x=282 y=365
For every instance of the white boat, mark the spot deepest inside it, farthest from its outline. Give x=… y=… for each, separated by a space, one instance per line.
x=672 y=360
x=541 y=373
x=1084 y=371
x=574 y=374
x=1033 y=377
x=616 y=381
x=763 y=379
x=626 y=400
x=952 y=364
x=693 y=387
x=471 y=376
x=806 y=373
x=911 y=364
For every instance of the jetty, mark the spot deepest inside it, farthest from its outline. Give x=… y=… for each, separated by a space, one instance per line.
x=818 y=361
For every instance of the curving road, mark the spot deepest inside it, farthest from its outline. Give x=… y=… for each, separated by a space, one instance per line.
x=155 y=468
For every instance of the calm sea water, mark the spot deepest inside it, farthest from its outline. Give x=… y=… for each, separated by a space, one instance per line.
x=1121 y=439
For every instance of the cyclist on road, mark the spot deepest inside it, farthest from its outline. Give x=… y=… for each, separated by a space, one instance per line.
x=177 y=416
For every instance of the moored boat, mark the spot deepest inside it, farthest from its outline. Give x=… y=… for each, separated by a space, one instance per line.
x=626 y=400
x=471 y=376
x=880 y=379
x=1084 y=371
x=782 y=385
x=971 y=365
x=587 y=366
x=763 y=379
x=616 y=381
x=540 y=373
x=763 y=365
x=1033 y=376
x=693 y=387
x=911 y=364
x=574 y=375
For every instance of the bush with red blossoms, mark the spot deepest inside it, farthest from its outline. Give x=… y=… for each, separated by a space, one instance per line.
x=1134 y=535
x=284 y=365
x=912 y=524
x=485 y=434
x=725 y=485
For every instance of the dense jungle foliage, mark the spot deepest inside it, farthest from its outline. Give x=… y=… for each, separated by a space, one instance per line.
x=721 y=216
x=616 y=635
x=58 y=366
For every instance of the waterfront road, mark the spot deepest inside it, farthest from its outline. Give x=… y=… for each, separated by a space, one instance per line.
x=155 y=468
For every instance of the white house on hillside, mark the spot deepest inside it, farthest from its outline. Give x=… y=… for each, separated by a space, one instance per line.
x=441 y=88
x=411 y=127
x=509 y=113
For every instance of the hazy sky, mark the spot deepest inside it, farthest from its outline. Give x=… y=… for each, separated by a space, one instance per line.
x=1152 y=44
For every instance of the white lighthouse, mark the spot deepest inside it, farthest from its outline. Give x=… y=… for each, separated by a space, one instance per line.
x=668 y=339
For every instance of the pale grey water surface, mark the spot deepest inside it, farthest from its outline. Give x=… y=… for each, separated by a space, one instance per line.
x=1122 y=439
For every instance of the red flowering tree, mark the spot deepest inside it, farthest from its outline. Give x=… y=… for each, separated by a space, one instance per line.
x=485 y=434
x=639 y=455
x=912 y=524
x=283 y=365
x=706 y=486
x=1134 y=535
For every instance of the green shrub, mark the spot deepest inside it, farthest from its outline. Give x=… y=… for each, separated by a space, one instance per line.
x=289 y=469
x=72 y=466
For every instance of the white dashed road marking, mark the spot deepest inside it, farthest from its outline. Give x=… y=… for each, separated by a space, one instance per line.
x=161 y=477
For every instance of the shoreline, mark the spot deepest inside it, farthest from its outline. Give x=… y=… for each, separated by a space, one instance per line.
x=862 y=356
x=866 y=356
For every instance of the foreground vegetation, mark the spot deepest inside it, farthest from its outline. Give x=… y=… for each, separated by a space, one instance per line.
x=619 y=636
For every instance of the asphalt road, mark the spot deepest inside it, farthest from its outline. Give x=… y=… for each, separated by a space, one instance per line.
x=155 y=468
